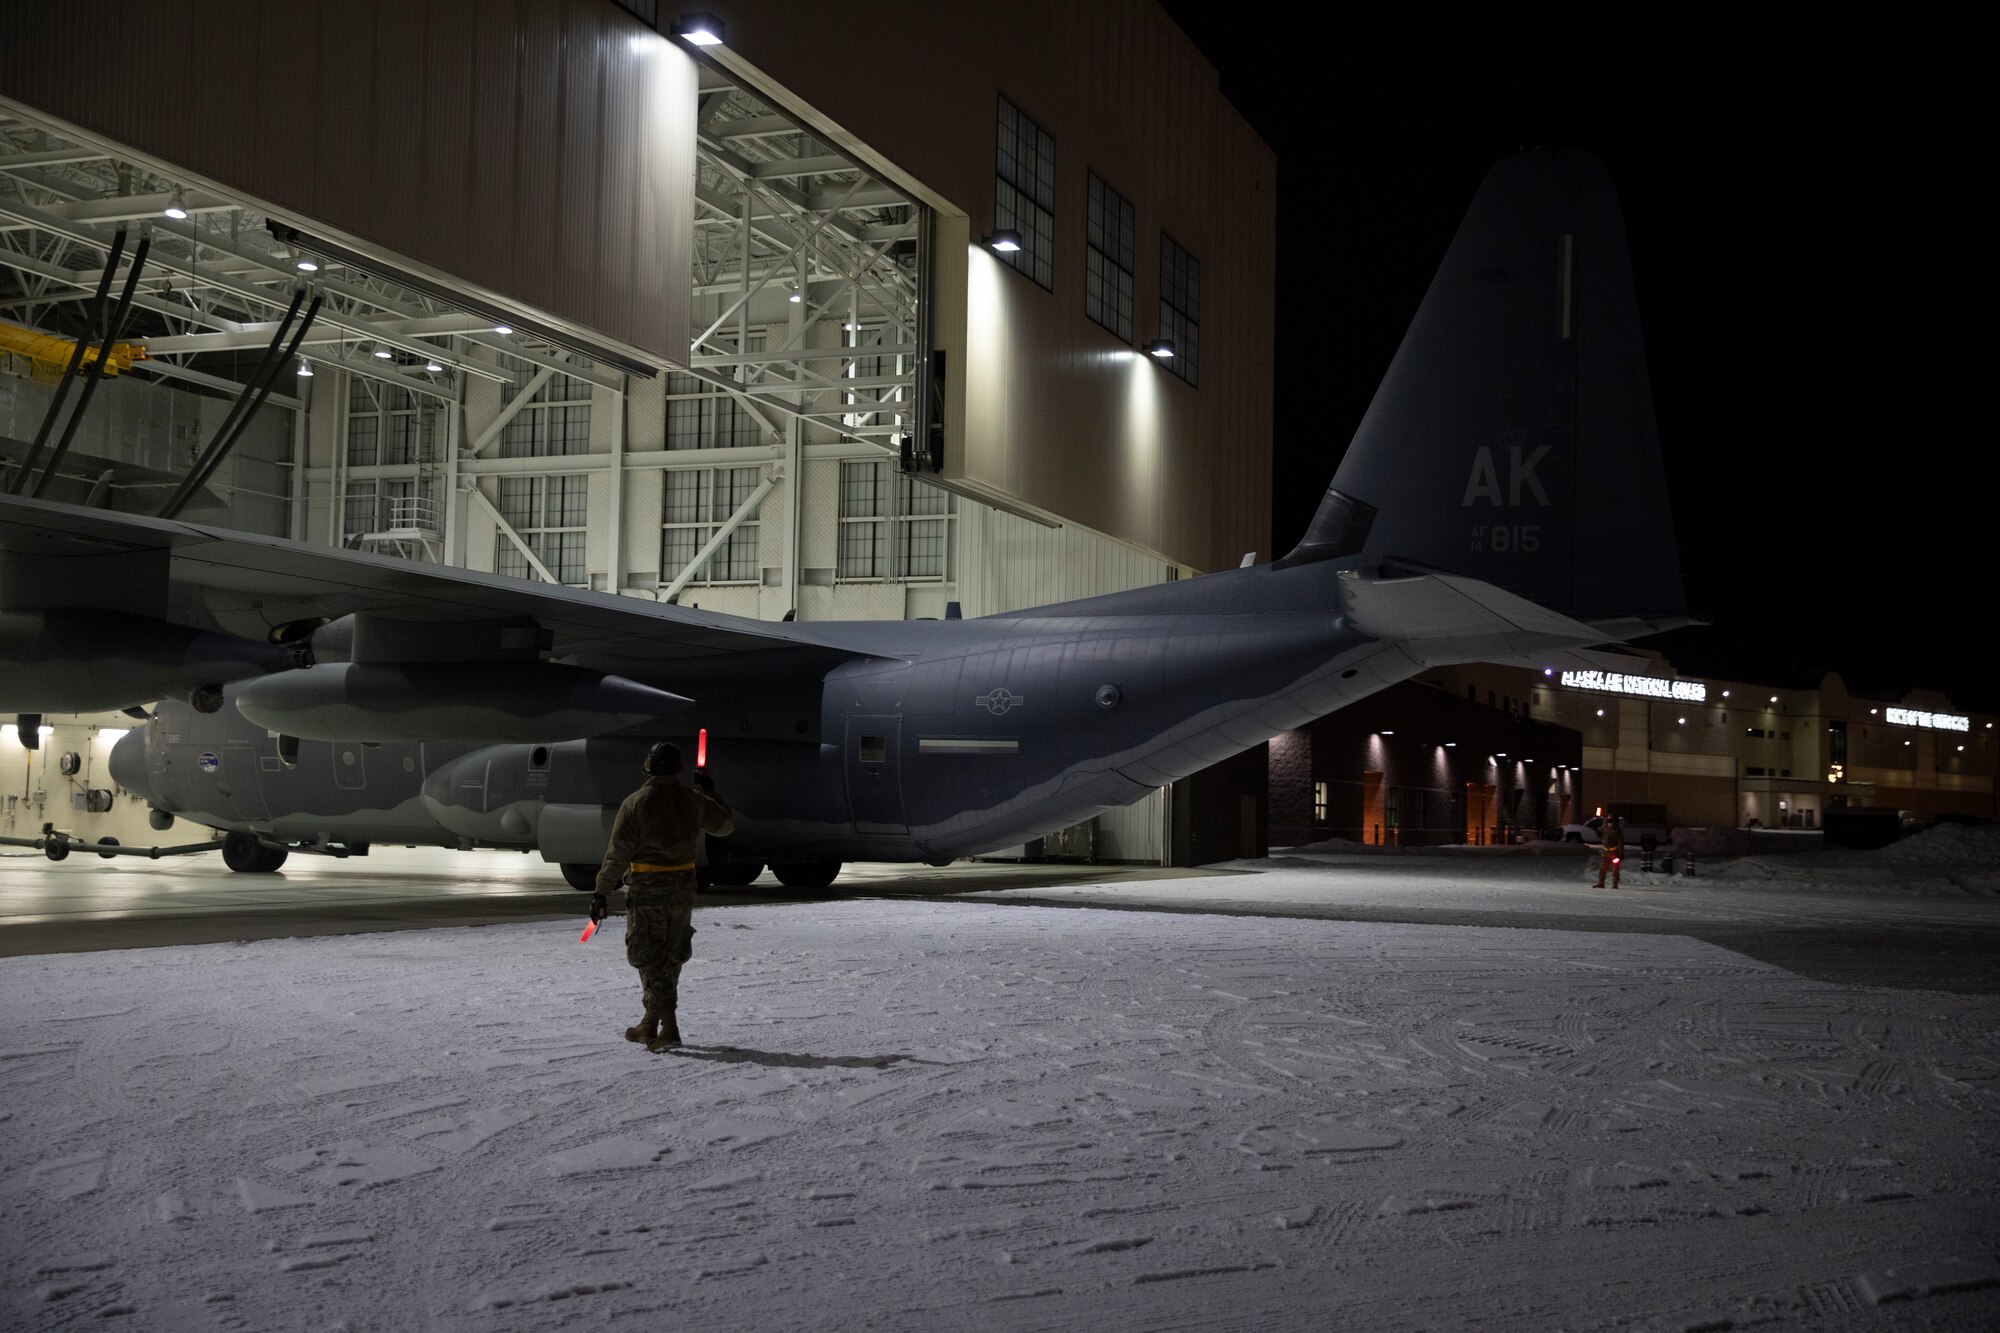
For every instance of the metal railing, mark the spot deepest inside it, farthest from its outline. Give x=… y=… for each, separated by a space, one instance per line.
x=417 y=513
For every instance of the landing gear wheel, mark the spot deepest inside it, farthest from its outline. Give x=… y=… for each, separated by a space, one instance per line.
x=806 y=874
x=580 y=875
x=108 y=842
x=736 y=874
x=243 y=853
x=55 y=850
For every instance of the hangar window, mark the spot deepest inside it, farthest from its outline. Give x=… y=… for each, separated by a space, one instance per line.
x=1180 y=308
x=359 y=510
x=555 y=421
x=1024 y=195
x=702 y=415
x=389 y=425
x=551 y=515
x=892 y=526
x=1107 y=258
x=698 y=501
x=1319 y=802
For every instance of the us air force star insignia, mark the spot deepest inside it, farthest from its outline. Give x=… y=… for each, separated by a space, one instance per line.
x=998 y=700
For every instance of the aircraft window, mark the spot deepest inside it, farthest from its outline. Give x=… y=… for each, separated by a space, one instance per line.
x=874 y=749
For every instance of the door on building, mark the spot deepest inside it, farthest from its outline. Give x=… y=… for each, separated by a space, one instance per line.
x=874 y=774
x=1479 y=800
x=1372 y=813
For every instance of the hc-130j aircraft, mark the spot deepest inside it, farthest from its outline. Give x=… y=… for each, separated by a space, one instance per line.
x=1503 y=497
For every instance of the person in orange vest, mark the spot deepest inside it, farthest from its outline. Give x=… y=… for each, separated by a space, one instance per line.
x=1612 y=833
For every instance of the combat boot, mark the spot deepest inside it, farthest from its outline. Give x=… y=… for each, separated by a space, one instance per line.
x=648 y=1029
x=668 y=1034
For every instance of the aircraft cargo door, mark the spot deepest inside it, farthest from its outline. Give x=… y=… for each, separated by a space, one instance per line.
x=874 y=774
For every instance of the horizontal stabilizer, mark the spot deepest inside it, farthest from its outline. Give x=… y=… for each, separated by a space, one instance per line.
x=1444 y=618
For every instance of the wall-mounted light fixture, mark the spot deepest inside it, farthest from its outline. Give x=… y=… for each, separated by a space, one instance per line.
x=699 y=30
x=1160 y=348
x=1006 y=241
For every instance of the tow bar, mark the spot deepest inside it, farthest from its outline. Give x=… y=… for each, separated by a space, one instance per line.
x=57 y=845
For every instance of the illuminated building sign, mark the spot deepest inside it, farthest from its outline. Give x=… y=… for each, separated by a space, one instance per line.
x=1911 y=717
x=1647 y=687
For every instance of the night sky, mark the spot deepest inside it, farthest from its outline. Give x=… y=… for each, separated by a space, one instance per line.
x=1811 y=203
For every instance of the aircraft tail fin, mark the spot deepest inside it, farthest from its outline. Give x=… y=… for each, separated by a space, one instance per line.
x=1513 y=439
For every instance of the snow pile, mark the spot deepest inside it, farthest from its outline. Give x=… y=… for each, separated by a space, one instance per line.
x=1947 y=844
x=907 y=1115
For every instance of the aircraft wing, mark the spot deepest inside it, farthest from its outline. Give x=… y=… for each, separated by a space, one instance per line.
x=252 y=587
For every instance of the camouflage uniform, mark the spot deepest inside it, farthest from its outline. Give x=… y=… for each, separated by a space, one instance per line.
x=659 y=932
x=652 y=855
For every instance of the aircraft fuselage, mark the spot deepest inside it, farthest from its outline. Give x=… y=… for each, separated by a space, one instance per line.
x=948 y=738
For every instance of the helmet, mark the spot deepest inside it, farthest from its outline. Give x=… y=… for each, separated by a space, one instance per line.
x=663 y=760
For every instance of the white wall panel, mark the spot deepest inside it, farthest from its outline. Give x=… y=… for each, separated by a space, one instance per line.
x=597 y=556
x=820 y=537
x=643 y=488
x=1009 y=564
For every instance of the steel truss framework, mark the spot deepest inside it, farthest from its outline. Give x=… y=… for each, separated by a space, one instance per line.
x=778 y=213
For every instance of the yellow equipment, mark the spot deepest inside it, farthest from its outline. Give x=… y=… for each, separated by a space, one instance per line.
x=50 y=353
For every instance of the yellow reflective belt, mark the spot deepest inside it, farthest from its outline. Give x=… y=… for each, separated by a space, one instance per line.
x=645 y=868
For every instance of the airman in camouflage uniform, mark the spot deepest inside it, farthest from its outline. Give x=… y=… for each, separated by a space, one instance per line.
x=652 y=854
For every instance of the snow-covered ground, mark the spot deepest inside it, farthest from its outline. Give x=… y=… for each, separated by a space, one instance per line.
x=972 y=1115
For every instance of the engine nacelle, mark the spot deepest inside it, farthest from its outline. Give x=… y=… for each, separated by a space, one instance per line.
x=75 y=660
x=451 y=701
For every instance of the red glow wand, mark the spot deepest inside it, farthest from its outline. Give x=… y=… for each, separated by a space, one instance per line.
x=588 y=931
x=701 y=750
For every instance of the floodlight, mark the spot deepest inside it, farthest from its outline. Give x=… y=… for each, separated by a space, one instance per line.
x=1006 y=240
x=433 y=367
x=794 y=297
x=177 y=206
x=503 y=329
x=699 y=30
x=307 y=266
x=1160 y=348
x=382 y=354
x=305 y=369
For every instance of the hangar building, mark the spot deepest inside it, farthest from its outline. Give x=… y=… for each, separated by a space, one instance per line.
x=667 y=306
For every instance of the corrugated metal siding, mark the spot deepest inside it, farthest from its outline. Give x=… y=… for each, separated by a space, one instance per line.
x=539 y=150
x=1008 y=564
